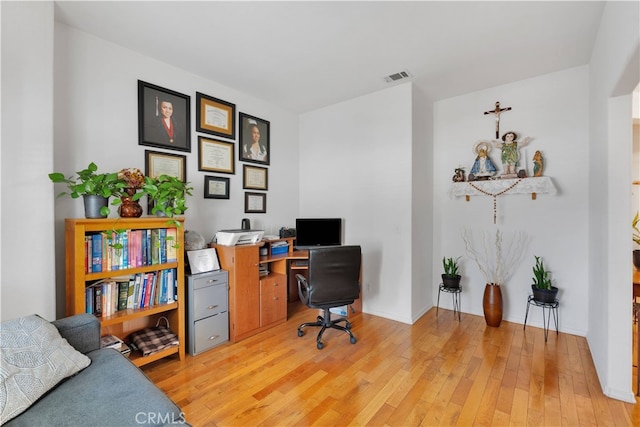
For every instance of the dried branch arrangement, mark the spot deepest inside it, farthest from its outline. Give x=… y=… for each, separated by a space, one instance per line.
x=496 y=258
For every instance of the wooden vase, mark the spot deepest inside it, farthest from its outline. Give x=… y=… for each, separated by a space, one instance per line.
x=492 y=304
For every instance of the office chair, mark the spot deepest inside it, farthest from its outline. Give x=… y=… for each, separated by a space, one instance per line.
x=333 y=281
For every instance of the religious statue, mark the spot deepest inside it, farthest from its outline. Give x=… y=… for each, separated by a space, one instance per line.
x=459 y=175
x=538 y=162
x=483 y=167
x=509 y=146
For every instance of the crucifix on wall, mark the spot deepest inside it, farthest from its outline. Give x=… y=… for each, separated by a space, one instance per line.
x=497 y=112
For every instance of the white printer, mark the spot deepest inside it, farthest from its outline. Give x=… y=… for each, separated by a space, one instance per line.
x=238 y=237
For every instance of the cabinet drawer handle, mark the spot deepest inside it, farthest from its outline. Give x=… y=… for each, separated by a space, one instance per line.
x=211 y=307
x=211 y=338
x=275 y=298
x=275 y=284
x=212 y=280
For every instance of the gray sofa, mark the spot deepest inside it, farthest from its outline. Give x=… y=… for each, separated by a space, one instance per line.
x=111 y=391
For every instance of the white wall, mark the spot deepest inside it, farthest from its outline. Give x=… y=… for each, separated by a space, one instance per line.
x=553 y=110
x=614 y=73
x=422 y=205
x=27 y=273
x=97 y=120
x=355 y=163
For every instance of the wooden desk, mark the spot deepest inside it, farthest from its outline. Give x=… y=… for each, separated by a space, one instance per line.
x=636 y=283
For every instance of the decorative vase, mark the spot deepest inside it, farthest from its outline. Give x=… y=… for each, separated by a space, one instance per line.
x=492 y=304
x=130 y=208
x=636 y=258
x=93 y=204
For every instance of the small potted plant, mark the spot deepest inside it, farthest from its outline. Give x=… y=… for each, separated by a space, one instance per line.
x=94 y=187
x=542 y=288
x=167 y=194
x=450 y=277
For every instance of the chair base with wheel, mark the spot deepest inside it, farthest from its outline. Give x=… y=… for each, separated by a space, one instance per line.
x=325 y=322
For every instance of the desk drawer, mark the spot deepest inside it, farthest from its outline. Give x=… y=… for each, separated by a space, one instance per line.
x=210 y=300
x=208 y=279
x=211 y=331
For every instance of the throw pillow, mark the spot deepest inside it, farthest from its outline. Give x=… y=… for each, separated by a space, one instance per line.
x=33 y=359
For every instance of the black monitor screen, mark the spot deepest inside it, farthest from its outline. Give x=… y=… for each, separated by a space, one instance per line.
x=312 y=232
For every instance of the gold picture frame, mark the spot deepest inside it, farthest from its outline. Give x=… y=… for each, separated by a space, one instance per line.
x=215 y=116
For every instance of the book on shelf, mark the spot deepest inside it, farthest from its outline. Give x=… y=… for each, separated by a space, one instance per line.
x=172 y=252
x=96 y=253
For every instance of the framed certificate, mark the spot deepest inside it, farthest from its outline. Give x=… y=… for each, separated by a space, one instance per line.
x=254 y=177
x=215 y=116
x=215 y=156
x=255 y=202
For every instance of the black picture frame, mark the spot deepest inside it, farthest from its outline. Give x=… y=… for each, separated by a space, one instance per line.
x=216 y=156
x=215 y=116
x=255 y=177
x=261 y=155
x=216 y=187
x=157 y=163
x=255 y=202
x=151 y=131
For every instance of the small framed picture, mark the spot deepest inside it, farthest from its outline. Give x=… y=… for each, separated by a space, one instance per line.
x=157 y=163
x=254 y=140
x=164 y=118
x=255 y=177
x=215 y=116
x=216 y=187
x=255 y=202
x=215 y=155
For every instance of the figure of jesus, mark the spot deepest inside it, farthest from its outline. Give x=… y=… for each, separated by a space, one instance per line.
x=509 y=146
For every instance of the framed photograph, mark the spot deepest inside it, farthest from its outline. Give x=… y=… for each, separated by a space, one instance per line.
x=157 y=163
x=216 y=187
x=254 y=140
x=255 y=177
x=215 y=116
x=215 y=156
x=164 y=118
x=255 y=202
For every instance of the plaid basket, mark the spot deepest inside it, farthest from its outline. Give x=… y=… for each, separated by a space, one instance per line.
x=153 y=339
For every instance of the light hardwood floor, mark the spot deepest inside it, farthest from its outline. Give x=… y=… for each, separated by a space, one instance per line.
x=436 y=372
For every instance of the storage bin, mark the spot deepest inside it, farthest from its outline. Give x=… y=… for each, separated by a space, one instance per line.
x=279 y=249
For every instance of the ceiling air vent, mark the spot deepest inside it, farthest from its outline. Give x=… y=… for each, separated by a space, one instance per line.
x=402 y=75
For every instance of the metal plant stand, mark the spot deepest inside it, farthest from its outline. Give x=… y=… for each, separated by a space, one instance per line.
x=455 y=296
x=551 y=306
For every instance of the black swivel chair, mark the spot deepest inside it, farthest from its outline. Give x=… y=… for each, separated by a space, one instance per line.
x=333 y=281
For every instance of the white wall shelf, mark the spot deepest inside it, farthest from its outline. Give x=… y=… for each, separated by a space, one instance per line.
x=499 y=187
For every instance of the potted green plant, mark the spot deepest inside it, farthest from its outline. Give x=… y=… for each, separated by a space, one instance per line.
x=450 y=277
x=636 y=239
x=94 y=187
x=542 y=288
x=167 y=194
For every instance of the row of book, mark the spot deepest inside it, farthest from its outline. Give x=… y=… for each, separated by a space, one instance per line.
x=118 y=250
x=107 y=296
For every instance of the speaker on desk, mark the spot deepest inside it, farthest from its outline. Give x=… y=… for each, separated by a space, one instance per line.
x=246 y=224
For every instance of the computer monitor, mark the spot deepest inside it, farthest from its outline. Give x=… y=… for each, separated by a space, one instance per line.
x=314 y=232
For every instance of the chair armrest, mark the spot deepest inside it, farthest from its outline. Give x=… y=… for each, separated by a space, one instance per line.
x=82 y=331
x=303 y=288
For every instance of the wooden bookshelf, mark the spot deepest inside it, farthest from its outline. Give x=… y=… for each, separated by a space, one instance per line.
x=124 y=322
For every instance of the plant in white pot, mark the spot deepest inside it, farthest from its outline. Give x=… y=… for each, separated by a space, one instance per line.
x=94 y=187
x=543 y=290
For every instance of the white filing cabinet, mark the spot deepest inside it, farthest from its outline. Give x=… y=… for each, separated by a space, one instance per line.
x=207 y=310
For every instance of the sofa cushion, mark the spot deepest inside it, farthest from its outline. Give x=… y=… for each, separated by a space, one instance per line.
x=34 y=358
x=110 y=392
